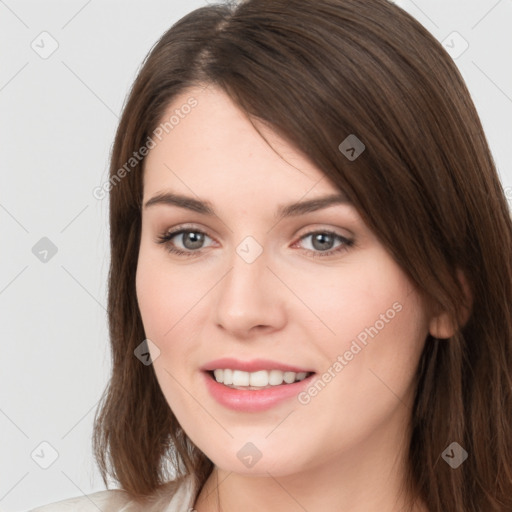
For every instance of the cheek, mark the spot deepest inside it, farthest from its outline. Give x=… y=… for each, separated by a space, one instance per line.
x=166 y=302
x=174 y=307
x=367 y=379
x=374 y=357
x=165 y=294
x=396 y=349
x=348 y=300
x=154 y=303
x=378 y=327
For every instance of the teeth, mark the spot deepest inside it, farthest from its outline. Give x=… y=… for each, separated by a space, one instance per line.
x=241 y=378
x=259 y=379
x=275 y=377
x=228 y=376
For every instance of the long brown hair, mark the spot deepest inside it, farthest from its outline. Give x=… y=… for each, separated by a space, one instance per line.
x=317 y=71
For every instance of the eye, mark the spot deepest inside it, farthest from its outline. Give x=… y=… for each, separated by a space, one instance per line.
x=322 y=243
x=190 y=242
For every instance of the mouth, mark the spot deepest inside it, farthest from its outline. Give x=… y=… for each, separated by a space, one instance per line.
x=258 y=380
x=256 y=385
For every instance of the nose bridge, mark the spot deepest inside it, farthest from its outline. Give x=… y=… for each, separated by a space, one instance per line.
x=247 y=275
x=246 y=297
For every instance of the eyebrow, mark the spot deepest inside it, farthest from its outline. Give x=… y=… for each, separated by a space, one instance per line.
x=288 y=210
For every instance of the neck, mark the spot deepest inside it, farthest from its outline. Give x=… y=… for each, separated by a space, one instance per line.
x=368 y=477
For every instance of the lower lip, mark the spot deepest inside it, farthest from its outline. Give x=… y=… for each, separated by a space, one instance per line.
x=253 y=400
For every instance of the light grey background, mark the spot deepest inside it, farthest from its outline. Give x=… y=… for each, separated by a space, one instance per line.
x=58 y=118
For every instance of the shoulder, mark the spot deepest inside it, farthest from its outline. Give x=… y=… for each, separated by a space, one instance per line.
x=175 y=496
x=107 y=501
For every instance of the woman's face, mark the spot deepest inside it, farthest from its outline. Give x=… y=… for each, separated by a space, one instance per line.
x=268 y=291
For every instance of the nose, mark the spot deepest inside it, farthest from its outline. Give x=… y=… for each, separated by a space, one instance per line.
x=250 y=299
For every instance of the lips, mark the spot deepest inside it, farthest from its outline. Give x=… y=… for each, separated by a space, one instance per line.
x=247 y=398
x=252 y=366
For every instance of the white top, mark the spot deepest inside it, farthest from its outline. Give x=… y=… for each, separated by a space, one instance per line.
x=174 y=497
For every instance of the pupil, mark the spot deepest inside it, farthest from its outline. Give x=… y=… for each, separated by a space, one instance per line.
x=324 y=241
x=193 y=240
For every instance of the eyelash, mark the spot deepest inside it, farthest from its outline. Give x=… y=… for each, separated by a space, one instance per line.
x=166 y=237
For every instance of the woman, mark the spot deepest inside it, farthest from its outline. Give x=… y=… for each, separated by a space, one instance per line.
x=311 y=246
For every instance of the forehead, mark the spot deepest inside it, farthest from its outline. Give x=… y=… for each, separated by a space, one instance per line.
x=211 y=149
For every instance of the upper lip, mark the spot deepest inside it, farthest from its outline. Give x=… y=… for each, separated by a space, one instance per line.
x=251 y=366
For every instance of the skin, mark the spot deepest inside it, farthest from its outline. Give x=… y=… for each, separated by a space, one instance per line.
x=346 y=446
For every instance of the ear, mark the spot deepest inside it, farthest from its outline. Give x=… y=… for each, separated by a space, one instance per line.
x=443 y=326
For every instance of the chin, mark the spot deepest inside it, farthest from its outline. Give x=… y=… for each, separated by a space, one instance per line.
x=260 y=462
